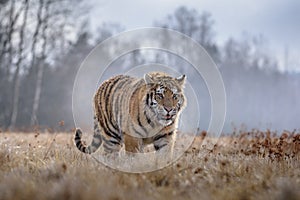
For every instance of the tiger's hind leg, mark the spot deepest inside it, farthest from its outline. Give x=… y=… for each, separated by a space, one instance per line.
x=111 y=145
x=112 y=142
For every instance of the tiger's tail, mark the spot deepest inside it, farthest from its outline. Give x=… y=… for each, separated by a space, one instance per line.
x=96 y=143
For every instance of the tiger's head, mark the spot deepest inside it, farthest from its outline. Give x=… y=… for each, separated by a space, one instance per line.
x=165 y=96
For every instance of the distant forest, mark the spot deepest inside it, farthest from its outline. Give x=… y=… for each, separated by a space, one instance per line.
x=44 y=42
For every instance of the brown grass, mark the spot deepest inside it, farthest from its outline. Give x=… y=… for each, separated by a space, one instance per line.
x=249 y=165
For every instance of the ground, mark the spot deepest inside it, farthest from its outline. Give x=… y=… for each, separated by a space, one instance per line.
x=245 y=165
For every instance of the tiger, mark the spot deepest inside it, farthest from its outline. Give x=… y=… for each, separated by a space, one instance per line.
x=134 y=112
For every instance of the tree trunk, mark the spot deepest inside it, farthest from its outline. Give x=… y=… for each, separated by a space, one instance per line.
x=15 y=103
x=17 y=72
x=37 y=94
x=41 y=66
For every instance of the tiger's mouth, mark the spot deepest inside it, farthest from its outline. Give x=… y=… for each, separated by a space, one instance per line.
x=166 y=120
x=168 y=117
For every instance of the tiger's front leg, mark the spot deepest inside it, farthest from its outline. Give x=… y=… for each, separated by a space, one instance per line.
x=133 y=144
x=164 y=145
x=162 y=141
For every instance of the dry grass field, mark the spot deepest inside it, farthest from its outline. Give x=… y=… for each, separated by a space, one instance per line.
x=249 y=165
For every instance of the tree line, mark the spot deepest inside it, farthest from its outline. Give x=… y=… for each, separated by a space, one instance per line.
x=43 y=42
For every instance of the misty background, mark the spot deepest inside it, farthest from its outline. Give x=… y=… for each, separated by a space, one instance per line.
x=44 y=42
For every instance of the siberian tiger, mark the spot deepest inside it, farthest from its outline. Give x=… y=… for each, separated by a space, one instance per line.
x=135 y=112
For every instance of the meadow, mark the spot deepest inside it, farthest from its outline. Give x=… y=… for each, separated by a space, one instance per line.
x=244 y=165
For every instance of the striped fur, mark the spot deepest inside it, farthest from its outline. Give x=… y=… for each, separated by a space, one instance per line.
x=135 y=112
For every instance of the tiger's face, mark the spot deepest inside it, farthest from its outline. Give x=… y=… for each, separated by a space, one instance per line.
x=165 y=98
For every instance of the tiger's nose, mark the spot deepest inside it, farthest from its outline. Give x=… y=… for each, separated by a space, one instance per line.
x=168 y=109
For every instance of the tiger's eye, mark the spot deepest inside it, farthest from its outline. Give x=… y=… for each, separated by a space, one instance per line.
x=175 y=96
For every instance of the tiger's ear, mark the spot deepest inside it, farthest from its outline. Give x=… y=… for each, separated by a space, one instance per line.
x=148 y=79
x=181 y=79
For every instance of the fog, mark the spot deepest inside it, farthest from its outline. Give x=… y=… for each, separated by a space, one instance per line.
x=39 y=62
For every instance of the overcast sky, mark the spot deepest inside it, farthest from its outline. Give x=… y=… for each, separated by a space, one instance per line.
x=277 y=20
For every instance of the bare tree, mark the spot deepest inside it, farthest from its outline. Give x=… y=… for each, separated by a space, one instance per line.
x=50 y=31
x=198 y=26
x=40 y=63
x=16 y=79
x=32 y=35
x=9 y=29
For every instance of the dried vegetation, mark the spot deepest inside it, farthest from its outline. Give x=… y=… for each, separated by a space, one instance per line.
x=245 y=165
